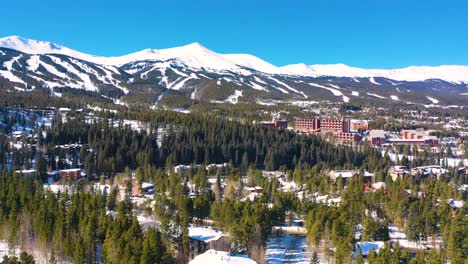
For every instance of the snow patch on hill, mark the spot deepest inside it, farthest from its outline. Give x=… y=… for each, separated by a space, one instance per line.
x=432 y=99
x=372 y=80
x=376 y=95
x=334 y=91
x=233 y=98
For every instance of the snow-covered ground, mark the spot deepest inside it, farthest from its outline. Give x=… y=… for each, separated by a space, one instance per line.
x=398 y=236
x=285 y=248
x=233 y=98
x=38 y=255
x=451 y=162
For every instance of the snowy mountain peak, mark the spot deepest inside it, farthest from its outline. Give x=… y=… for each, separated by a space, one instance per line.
x=299 y=69
x=195 y=45
x=28 y=45
x=196 y=56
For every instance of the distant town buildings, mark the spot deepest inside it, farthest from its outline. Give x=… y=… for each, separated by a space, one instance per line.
x=312 y=125
x=343 y=130
x=358 y=125
x=73 y=174
x=276 y=123
x=307 y=125
x=334 y=125
x=406 y=137
x=343 y=137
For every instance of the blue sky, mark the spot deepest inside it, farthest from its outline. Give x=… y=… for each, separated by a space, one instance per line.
x=363 y=33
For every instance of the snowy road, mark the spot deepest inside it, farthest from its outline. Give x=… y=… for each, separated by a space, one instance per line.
x=285 y=248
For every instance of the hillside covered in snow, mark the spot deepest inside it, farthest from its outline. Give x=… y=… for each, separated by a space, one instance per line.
x=193 y=72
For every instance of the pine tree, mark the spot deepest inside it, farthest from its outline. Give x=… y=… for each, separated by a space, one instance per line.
x=26 y=258
x=153 y=251
x=52 y=259
x=315 y=259
x=359 y=258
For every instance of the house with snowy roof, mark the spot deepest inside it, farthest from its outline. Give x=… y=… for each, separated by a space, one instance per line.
x=397 y=172
x=206 y=238
x=221 y=257
x=348 y=174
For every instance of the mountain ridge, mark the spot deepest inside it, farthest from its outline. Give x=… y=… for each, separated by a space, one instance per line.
x=197 y=56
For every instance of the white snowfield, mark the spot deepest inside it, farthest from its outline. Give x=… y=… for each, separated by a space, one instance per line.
x=196 y=56
x=233 y=98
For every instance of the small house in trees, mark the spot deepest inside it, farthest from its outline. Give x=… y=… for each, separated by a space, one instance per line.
x=26 y=172
x=376 y=186
x=455 y=206
x=205 y=238
x=52 y=176
x=397 y=172
x=70 y=174
x=348 y=174
x=436 y=170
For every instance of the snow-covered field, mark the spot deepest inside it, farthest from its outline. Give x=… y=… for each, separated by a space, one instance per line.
x=287 y=249
x=398 y=236
x=38 y=255
x=233 y=98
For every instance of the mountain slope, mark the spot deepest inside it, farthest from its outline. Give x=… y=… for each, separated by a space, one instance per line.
x=193 y=72
x=198 y=57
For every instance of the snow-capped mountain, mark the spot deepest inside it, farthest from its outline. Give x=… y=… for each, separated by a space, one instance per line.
x=193 y=55
x=31 y=46
x=450 y=73
x=197 y=56
x=197 y=73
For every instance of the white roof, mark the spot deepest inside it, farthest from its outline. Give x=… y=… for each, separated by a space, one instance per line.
x=379 y=185
x=55 y=188
x=145 y=185
x=70 y=170
x=25 y=171
x=456 y=204
x=205 y=234
x=221 y=257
